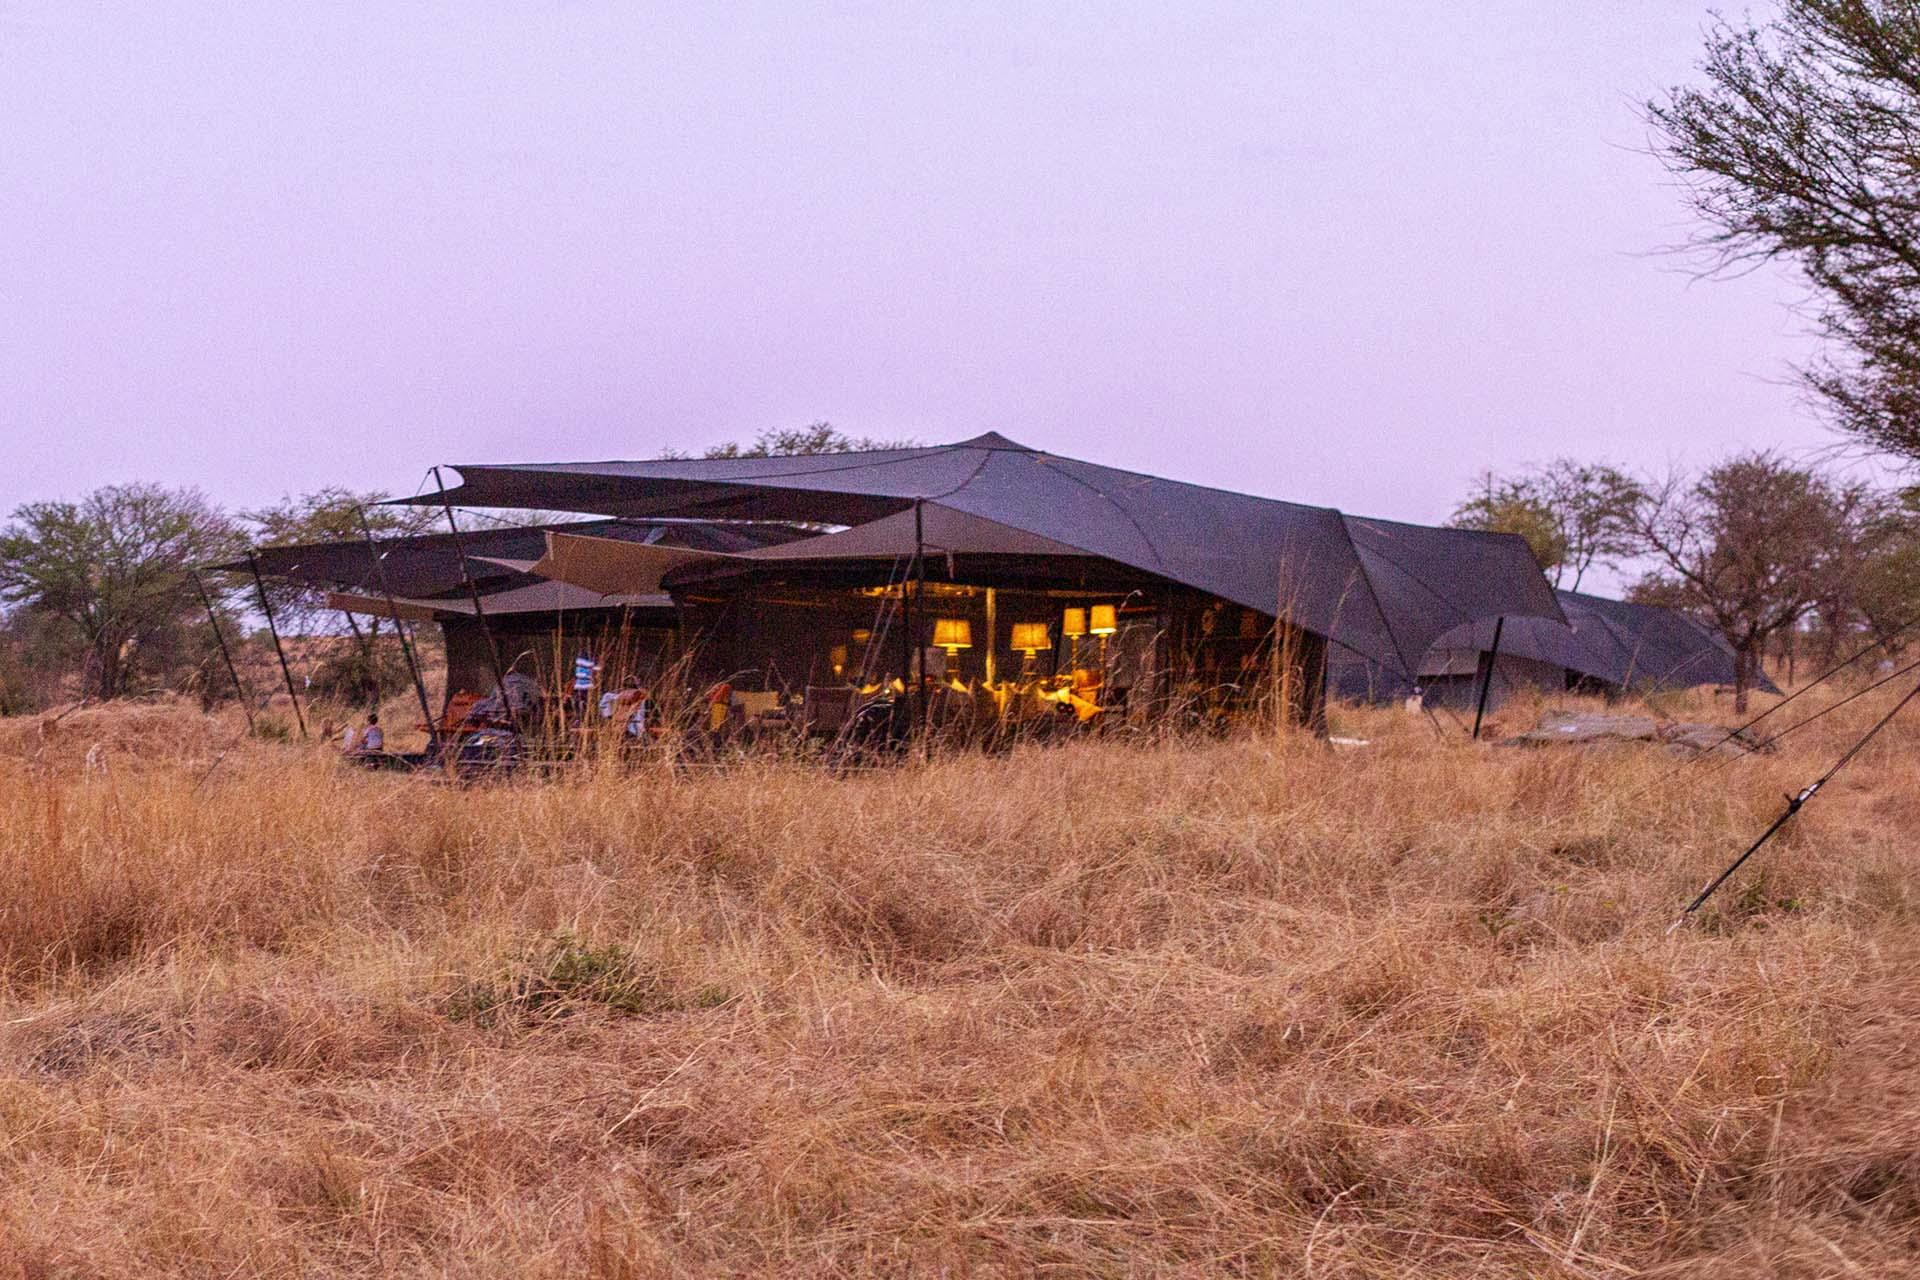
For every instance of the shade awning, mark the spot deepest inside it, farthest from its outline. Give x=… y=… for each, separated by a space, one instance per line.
x=430 y=564
x=535 y=597
x=406 y=610
x=612 y=567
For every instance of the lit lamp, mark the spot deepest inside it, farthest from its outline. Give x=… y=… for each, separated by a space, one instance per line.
x=953 y=635
x=1105 y=622
x=1029 y=638
x=1073 y=625
x=837 y=659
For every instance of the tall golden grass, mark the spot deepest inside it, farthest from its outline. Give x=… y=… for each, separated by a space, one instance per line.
x=1245 y=1007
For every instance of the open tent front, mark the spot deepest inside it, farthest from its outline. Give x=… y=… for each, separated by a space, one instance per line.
x=1382 y=589
x=535 y=623
x=993 y=606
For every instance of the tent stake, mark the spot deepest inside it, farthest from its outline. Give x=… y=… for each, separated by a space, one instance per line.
x=1794 y=805
x=266 y=607
x=399 y=629
x=1486 y=684
x=479 y=613
x=246 y=699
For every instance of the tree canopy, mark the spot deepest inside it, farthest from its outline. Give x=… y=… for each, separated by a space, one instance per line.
x=115 y=567
x=1752 y=545
x=814 y=438
x=1802 y=145
x=1572 y=514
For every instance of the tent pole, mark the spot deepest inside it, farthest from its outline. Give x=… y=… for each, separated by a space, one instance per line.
x=479 y=613
x=266 y=607
x=1486 y=683
x=992 y=639
x=920 y=705
x=400 y=629
x=246 y=699
x=366 y=647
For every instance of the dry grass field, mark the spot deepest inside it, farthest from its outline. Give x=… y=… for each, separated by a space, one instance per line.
x=1256 y=1007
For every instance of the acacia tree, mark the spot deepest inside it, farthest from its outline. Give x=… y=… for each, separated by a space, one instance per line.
x=1802 y=146
x=1886 y=590
x=1752 y=546
x=1572 y=514
x=115 y=567
x=814 y=438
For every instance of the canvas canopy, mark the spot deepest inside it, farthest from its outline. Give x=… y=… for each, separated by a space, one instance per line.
x=1615 y=642
x=429 y=564
x=1631 y=646
x=1383 y=589
x=534 y=597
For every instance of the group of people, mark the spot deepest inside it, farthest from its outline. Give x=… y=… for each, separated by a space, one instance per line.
x=628 y=703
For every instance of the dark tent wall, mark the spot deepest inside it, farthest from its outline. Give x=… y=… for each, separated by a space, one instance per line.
x=1454 y=679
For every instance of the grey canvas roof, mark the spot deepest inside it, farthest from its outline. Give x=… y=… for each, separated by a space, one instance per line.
x=1640 y=646
x=1382 y=588
x=1617 y=642
x=429 y=564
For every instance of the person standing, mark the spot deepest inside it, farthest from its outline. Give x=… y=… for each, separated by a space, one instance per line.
x=585 y=672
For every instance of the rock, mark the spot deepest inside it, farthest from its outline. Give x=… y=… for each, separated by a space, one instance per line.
x=1596 y=728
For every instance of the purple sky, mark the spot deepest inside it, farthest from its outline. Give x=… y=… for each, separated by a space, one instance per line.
x=1339 y=251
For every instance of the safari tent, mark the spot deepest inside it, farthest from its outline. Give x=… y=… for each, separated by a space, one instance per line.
x=1608 y=647
x=1199 y=566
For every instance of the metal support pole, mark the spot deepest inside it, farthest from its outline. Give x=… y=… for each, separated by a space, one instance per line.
x=1486 y=684
x=399 y=629
x=246 y=698
x=266 y=607
x=479 y=612
x=920 y=705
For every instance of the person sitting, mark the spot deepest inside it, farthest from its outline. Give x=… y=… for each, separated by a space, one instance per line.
x=632 y=702
x=373 y=740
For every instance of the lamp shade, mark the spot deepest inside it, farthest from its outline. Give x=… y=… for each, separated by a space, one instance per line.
x=1073 y=623
x=1105 y=620
x=1030 y=637
x=837 y=657
x=952 y=633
